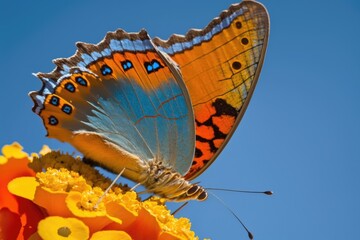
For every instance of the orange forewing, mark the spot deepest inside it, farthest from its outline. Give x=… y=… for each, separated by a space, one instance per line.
x=220 y=75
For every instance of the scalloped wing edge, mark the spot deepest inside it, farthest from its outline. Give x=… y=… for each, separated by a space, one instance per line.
x=85 y=54
x=206 y=33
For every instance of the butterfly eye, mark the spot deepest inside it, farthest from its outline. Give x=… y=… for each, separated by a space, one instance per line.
x=203 y=196
x=192 y=190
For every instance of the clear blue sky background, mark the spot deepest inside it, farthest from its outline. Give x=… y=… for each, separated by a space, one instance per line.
x=300 y=136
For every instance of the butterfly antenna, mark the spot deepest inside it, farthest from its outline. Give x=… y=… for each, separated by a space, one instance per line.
x=133 y=188
x=108 y=188
x=179 y=208
x=240 y=191
x=232 y=212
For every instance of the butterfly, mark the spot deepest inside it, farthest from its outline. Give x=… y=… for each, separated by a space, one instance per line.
x=162 y=111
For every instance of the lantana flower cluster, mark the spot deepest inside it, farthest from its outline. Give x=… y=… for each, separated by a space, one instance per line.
x=57 y=196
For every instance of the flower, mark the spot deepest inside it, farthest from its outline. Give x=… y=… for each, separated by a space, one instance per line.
x=65 y=198
x=18 y=216
x=55 y=227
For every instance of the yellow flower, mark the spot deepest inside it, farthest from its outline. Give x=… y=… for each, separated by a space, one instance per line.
x=58 y=228
x=75 y=206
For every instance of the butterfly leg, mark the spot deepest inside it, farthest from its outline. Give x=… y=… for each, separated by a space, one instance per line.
x=108 y=189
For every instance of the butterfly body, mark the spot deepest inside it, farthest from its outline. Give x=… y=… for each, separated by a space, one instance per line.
x=160 y=110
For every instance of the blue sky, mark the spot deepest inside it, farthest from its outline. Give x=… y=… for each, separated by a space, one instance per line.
x=300 y=136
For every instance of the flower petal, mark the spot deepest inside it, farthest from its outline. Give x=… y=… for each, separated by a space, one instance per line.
x=54 y=228
x=30 y=213
x=15 y=192
x=14 y=151
x=122 y=212
x=110 y=234
x=52 y=201
x=10 y=224
x=35 y=236
x=23 y=187
x=170 y=236
x=145 y=227
x=3 y=160
x=14 y=164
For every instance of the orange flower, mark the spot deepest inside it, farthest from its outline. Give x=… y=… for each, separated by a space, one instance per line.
x=18 y=216
x=74 y=205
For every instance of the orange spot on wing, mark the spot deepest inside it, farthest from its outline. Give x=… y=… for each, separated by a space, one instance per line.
x=205 y=149
x=204 y=112
x=224 y=122
x=218 y=142
x=205 y=132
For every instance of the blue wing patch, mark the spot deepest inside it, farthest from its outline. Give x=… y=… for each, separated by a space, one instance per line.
x=152 y=66
x=126 y=65
x=148 y=124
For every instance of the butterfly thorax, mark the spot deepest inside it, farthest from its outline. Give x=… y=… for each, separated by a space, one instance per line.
x=169 y=184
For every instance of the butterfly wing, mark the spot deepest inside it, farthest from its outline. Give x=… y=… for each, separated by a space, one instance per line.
x=120 y=103
x=220 y=66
